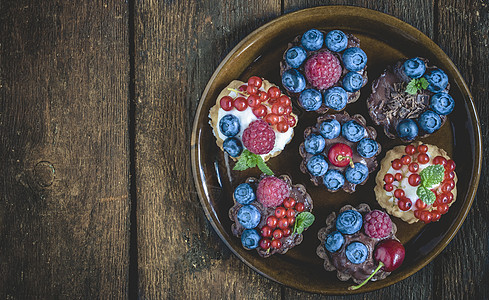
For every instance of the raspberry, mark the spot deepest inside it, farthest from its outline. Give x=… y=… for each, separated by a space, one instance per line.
x=377 y=224
x=259 y=137
x=272 y=191
x=323 y=70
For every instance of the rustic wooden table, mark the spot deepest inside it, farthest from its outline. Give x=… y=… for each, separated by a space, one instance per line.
x=97 y=100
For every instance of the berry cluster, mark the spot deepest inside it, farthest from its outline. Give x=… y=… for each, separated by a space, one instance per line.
x=407 y=174
x=271 y=106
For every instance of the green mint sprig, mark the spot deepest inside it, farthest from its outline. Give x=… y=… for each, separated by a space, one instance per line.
x=430 y=176
x=250 y=160
x=302 y=221
x=416 y=84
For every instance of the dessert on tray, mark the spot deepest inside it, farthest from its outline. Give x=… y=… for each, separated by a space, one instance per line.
x=410 y=99
x=324 y=70
x=360 y=244
x=339 y=152
x=269 y=214
x=252 y=121
x=416 y=182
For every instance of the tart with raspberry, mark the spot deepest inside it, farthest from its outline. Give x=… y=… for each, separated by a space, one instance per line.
x=360 y=244
x=270 y=214
x=416 y=182
x=324 y=70
x=339 y=152
x=252 y=122
x=410 y=99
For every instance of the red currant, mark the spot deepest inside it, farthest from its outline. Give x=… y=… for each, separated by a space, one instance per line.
x=450 y=165
x=423 y=148
x=265 y=244
x=274 y=92
x=440 y=160
x=289 y=202
x=449 y=175
x=283 y=223
x=282 y=126
x=242 y=88
x=291 y=220
x=287 y=231
x=290 y=213
x=435 y=216
x=396 y=164
x=413 y=167
x=266 y=231
x=287 y=110
x=388 y=187
x=423 y=158
x=441 y=199
x=399 y=193
x=255 y=81
x=272 y=222
x=448 y=186
x=278 y=234
x=240 y=103
x=404 y=204
x=398 y=176
x=226 y=103
x=406 y=159
x=278 y=109
x=291 y=121
x=389 y=178
x=260 y=111
x=410 y=149
x=276 y=244
x=280 y=212
x=262 y=96
x=442 y=208
x=285 y=100
x=425 y=216
x=417 y=213
x=253 y=100
x=299 y=207
x=252 y=90
x=414 y=179
x=272 y=119
x=450 y=197
x=420 y=204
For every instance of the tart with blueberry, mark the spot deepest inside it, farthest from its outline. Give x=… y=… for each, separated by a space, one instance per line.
x=270 y=214
x=416 y=182
x=410 y=99
x=339 y=152
x=324 y=70
x=252 y=122
x=360 y=244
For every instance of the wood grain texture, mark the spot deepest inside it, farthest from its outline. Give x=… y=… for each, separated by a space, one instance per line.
x=178 y=44
x=64 y=206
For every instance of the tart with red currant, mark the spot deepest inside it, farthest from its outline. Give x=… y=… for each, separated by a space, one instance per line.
x=324 y=70
x=270 y=214
x=252 y=122
x=339 y=152
x=416 y=182
x=360 y=244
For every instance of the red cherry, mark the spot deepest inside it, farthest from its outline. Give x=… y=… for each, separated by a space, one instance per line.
x=252 y=90
x=272 y=119
x=450 y=165
x=280 y=212
x=289 y=202
x=448 y=186
x=391 y=253
x=242 y=88
x=442 y=208
x=278 y=109
x=266 y=231
x=410 y=149
x=260 y=111
x=399 y=193
x=299 y=207
x=276 y=244
x=262 y=96
x=404 y=204
x=398 y=176
x=265 y=244
x=406 y=159
x=440 y=160
x=414 y=179
x=388 y=187
x=272 y=222
x=282 y=126
x=274 y=92
x=389 y=178
x=423 y=158
x=340 y=155
x=420 y=204
x=283 y=223
x=397 y=164
x=423 y=148
x=278 y=234
x=255 y=81
x=290 y=213
x=413 y=167
x=435 y=216
x=287 y=231
x=226 y=103
x=240 y=103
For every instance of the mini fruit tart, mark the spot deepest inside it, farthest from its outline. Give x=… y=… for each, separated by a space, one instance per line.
x=360 y=244
x=339 y=151
x=416 y=182
x=410 y=99
x=270 y=214
x=252 y=122
x=324 y=70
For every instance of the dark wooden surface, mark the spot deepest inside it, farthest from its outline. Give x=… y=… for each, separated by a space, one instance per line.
x=97 y=100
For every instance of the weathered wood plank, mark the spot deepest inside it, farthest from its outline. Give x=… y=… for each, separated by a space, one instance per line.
x=178 y=46
x=64 y=198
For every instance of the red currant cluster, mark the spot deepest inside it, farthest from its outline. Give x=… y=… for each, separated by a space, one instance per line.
x=272 y=106
x=280 y=224
x=408 y=165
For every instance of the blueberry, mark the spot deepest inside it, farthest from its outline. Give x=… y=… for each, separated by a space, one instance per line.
x=437 y=79
x=334 y=241
x=295 y=56
x=349 y=222
x=244 y=194
x=232 y=146
x=249 y=216
x=414 y=67
x=333 y=180
x=335 y=98
x=352 y=82
x=314 y=143
x=250 y=238
x=330 y=129
x=317 y=165
x=336 y=40
x=229 y=125
x=367 y=147
x=352 y=131
x=429 y=121
x=312 y=40
x=354 y=59
x=407 y=129
x=293 y=81
x=358 y=174
x=310 y=99
x=442 y=103
x=356 y=252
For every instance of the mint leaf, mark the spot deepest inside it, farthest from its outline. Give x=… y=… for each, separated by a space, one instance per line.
x=263 y=166
x=302 y=221
x=426 y=195
x=432 y=175
x=241 y=164
x=416 y=84
x=250 y=160
x=424 y=83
